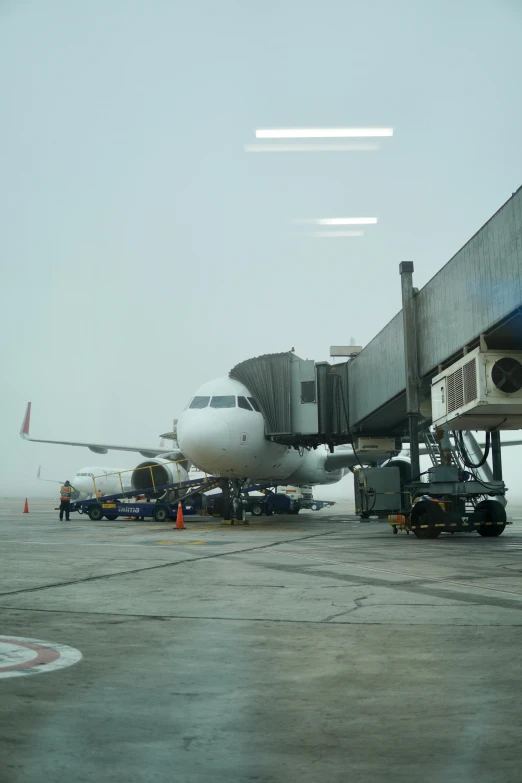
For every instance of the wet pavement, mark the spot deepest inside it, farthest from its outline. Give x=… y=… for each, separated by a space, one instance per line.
x=296 y=648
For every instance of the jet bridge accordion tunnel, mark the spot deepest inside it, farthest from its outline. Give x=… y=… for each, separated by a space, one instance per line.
x=304 y=404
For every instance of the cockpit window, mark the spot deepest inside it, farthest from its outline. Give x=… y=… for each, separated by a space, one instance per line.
x=254 y=404
x=199 y=402
x=223 y=401
x=242 y=402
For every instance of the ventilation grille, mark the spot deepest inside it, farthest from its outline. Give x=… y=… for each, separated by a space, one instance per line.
x=462 y=386
x=469 y=372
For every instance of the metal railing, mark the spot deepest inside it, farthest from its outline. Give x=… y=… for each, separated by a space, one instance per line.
x=132 y=491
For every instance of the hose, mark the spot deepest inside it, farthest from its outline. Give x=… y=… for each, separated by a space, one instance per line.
x=459 y=440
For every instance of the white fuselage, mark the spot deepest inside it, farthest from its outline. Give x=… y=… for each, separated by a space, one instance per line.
x=91 y=480
x=224 y=437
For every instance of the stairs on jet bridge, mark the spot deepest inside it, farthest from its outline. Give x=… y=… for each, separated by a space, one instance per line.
x=484 y=473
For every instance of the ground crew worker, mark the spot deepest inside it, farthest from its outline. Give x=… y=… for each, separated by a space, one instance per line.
x=65 y=500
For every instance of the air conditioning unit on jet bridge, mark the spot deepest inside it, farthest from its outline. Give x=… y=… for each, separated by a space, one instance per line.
x=482 y=391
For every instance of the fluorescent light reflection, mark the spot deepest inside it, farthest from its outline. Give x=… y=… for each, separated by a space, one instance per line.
x=348 y=221
x=311 y=147
x=333 y=234
x=321 y=133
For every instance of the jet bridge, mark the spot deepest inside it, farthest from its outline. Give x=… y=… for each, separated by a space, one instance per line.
x=477 y=293
x=303 y=403
x=451 y=356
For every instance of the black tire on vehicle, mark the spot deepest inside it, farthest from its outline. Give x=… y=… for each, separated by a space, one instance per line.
x=95 y=512
x=314 y=506
x=295 y=511
x=111 y=517
x=493 y=512
x=257 y=510
x=429 y=513
x=161 y=513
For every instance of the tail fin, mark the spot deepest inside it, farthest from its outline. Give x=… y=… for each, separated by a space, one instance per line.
x=24 y=430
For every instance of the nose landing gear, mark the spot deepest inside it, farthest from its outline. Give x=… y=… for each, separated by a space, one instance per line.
x=233 y=507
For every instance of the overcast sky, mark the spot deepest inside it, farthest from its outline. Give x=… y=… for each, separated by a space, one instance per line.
x=145 y=252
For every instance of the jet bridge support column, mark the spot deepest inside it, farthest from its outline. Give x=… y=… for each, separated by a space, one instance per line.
x=409 y=321
x=496 y=455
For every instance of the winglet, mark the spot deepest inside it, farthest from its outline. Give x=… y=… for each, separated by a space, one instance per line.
x=24 y=430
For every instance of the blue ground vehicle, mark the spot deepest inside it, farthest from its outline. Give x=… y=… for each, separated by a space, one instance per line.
x=114 y=506
x=271 y=503
x=112 y=509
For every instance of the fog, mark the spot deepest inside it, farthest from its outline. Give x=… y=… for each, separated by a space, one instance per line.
x=145 y=250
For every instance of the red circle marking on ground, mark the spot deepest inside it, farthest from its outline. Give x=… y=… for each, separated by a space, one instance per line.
x=43 y=655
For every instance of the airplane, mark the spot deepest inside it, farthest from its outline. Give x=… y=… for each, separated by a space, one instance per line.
x=163 y=466
x=107 y=482
x=221 y=432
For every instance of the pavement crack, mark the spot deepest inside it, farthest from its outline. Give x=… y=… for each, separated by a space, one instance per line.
x=215 y=556
x=358 y=605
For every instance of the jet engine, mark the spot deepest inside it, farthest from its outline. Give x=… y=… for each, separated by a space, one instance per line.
x=157 y=472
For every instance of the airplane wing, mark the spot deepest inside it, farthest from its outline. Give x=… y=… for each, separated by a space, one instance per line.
x=423 y=450
x=340 y=459
x=345 y=458
x=50 y=481
x=101 y=448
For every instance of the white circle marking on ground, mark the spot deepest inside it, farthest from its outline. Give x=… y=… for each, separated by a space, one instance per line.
x=21 y=656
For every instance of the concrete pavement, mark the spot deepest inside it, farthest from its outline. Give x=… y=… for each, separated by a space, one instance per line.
x=314 y=648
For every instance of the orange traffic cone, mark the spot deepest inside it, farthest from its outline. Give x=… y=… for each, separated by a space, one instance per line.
x=180 y=525
x=26 y=507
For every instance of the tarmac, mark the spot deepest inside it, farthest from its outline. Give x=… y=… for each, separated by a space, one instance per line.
x=309 y=648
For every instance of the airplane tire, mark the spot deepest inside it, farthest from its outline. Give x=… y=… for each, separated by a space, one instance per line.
x=256 y=510
x=95 y=512
x=161 y=513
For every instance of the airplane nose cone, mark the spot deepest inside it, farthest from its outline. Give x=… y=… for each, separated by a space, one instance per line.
x=205 y=441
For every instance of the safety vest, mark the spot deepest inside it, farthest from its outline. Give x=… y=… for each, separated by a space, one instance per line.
x=65 y=493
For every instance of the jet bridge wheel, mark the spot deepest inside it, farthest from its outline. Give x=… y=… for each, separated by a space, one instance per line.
x=429 y=513
x=493 y=512
x=95 y=512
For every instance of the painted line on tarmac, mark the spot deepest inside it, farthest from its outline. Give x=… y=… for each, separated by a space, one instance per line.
x=422 y=577
x=21 y=656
